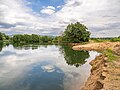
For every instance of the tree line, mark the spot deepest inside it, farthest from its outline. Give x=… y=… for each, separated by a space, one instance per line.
x=74 y=33
x=33 y=38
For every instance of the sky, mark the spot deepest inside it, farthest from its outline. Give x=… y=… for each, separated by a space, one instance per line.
x=50 y=17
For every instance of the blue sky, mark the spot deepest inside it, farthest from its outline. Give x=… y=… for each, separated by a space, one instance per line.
x=50 y=17
x=37 y=5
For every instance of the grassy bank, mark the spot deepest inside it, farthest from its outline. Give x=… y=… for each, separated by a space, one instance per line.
x=113 y=39
x=105 y=72
x=110 y=55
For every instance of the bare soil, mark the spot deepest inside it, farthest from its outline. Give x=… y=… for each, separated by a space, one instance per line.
x=104 y=75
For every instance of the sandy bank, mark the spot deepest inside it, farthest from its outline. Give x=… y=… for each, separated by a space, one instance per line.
x=96 y=46
x=94 y=81
x=104 y=75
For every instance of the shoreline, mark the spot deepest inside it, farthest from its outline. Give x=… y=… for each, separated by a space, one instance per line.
x=105 y=74
x=94 y=81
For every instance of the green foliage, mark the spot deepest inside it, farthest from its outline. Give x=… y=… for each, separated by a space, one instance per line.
x=112 y=39
x=111 y=55
x=34 y=38
x=25 y=38
x=116 y=39
x=3 y=37
x=46 y=39
x=31 y=38
x=101 y=39
x=76 y=33
x=17 y=38
x=57 y=39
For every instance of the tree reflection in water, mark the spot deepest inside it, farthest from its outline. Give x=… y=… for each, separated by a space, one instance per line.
x=72 y=57
x=3 y=44
x=28 y=46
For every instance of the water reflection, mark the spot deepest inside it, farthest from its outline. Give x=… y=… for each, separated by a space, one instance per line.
x=39 y=67
x=28 y=46
x=44 y=80
x=37 y=79
x=72 y=57
x=3 y=45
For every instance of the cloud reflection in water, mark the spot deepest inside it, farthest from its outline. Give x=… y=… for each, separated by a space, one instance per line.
x=40 y=69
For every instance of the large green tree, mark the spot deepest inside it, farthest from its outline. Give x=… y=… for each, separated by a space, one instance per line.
x=76 y=33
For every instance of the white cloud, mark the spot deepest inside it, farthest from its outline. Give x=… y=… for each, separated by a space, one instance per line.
x=59 y=6
x=48 y=10
x=93 y=13
x=100 y=16
x=51 y=7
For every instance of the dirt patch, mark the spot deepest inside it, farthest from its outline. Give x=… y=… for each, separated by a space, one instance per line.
x=104 y=75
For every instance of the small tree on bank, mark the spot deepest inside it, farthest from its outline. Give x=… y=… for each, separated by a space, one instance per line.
x=76 y=33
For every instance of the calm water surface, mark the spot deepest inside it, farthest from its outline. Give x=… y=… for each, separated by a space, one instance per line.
x=43 y=67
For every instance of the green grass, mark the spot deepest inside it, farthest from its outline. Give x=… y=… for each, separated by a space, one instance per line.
x=115 y=39
x=83 y=43
x=100 y=40
x=110 y=55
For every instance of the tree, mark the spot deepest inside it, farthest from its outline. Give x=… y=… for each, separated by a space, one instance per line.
x=46 y=39
x=35 y=38
x=17 y=38
x=76 y=33
x=27 y=38
x=1 y=37
x=57 y=39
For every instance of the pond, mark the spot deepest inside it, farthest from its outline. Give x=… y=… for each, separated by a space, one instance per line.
x=43 y=67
